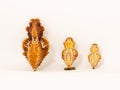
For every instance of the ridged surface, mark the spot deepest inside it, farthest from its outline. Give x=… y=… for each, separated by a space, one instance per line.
x=69 y=54
x=94 y=57
x=35 y=54
x=35 y=46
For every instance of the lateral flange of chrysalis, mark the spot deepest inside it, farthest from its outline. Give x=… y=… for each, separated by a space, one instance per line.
x=94 y=57
x=35 y=46
x=69 y=54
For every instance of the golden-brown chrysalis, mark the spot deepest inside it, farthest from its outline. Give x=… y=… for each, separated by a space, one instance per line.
x=35 y=46
x=94 y=57
x=69 y=54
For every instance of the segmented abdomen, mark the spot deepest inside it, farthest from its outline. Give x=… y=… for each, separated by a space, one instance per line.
x=35 y=54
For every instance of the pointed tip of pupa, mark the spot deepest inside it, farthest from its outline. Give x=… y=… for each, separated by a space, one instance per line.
x=93 y=67
x=34 y=68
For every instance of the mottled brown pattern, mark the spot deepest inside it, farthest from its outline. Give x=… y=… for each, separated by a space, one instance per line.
x=35 y=46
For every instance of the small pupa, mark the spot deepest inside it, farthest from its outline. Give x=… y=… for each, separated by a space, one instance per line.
x=69 y=54
x=94 y=57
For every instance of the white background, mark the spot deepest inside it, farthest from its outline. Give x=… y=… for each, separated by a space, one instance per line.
x=87 y=21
